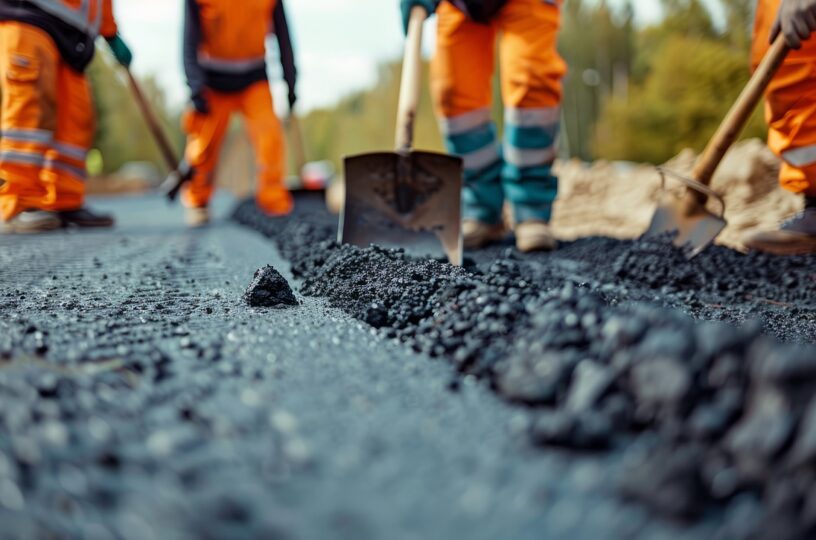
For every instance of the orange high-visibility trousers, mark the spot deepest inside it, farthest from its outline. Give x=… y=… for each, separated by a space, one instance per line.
x=206 y=134
x=519 y=170
x=464 y=62
x=47 y=123
x=791 y=105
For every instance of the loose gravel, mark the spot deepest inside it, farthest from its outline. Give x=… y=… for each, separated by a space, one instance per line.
x=700 y=372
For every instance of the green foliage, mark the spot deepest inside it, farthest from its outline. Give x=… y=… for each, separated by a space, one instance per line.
x=366 y=122
x=687 y=76
x=122 y=134
x=600 y=62
x=690 y=88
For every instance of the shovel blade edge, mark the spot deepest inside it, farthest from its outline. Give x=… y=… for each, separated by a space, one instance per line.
x=407 y=200
x=693 y=231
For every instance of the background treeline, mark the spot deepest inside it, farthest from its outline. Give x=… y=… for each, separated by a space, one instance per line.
x=633 y=93
x=122 y=135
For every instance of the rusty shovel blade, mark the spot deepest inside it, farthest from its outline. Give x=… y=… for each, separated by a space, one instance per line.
x=686 y=217
x=694 y=230
x=410 y=200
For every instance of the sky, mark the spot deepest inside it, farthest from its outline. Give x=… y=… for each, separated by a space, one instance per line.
x=338 y=43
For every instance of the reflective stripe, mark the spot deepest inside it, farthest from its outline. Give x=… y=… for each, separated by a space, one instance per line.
x=475 y=161
x=80 y=173
x=465 y=122
x=71 y=151
x=545 y=116
x=227 y=65
x=78 y=18
x=800 y=157
x=22 y=158
x=28 y=135
x=522 y=157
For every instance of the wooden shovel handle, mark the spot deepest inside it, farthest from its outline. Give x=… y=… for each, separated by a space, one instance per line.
x=739 y=114
x=296 y=142
x=410 y=88
x=156 y=130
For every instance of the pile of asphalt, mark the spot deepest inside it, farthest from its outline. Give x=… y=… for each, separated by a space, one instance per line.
x=613 y=344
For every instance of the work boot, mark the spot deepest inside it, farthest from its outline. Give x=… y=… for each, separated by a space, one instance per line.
x=478 y=234
x=31 y=222
x=197 y=217
x=276 y=203
x=797 y=236
x=83 y=218
x=534 y=235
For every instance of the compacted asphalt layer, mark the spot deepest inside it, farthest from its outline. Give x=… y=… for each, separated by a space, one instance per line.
x=142 y=398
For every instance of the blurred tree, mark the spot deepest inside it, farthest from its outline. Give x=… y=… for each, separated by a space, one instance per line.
x=366 y=121
x=122 y=134
x=691 y=87
x=600 y=63
x=687 y=75
x=688 y=18
x=739 y=22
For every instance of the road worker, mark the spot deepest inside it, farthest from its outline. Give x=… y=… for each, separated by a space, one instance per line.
x=224 y=59
x=519 y=171
x=47 y=118
x=791 y=115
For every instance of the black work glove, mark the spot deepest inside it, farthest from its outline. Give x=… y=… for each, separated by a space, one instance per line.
x=200 y=103
x=796 y=21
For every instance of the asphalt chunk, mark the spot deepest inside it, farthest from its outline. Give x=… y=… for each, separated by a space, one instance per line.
x=269 y=289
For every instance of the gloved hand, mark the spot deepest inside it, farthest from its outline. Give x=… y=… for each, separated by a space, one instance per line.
x=407 y=5
x=796 y=21
x=200 y=103
x=120 y=50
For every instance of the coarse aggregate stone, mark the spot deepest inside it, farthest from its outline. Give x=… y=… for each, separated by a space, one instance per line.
x=142 y=398
x=702 y=373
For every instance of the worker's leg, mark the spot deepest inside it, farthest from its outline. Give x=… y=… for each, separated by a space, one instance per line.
x=266 y=134
x=205 y=134
x=531 y=72
x=461 y=75
x=28 y=84
x=64 y=170
x=791 y=106
x=791 y=114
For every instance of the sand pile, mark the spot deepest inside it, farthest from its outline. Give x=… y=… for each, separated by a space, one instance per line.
x=617 y=199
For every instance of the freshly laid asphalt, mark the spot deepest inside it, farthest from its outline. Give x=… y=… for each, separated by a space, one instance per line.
x=141 y=398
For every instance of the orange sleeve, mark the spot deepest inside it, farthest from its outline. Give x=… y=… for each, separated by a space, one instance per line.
x=108 y=29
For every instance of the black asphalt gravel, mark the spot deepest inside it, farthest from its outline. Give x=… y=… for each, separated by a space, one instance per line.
x=141 y=397
x=612 y=346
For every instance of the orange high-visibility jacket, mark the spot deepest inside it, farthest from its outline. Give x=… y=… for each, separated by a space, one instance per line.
x=225 y=43
x=72 y=24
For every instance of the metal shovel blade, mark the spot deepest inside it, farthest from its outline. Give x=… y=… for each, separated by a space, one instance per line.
x=410 y=200
x=686 y=217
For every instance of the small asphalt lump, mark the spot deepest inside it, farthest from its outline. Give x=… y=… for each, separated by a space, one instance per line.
x=269 y=289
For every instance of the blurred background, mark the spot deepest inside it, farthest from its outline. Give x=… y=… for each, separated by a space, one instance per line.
x=648 y=78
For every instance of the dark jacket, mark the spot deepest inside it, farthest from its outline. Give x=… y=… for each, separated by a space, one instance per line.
x=75 y=46
x=480 y=10
x=201 y=76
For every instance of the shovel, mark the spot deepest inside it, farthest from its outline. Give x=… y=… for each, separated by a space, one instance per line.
x=407 y=198
x=687 y=217
x=180 y=174
x=309 y=176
